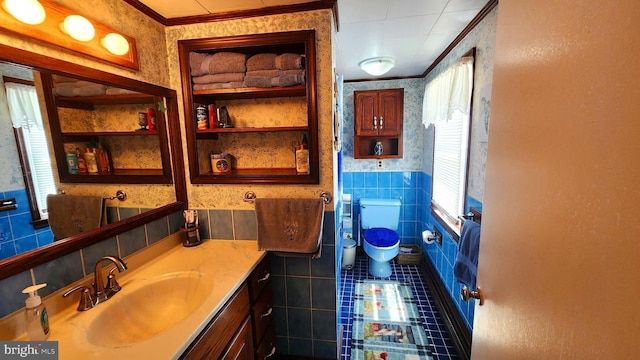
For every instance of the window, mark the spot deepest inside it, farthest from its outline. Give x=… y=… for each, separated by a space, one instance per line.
x=447 y=105
x=32 y=147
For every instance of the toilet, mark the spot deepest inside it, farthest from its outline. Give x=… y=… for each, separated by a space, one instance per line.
x=379 y=219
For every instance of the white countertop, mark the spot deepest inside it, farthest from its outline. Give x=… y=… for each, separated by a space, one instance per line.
x=228 y=262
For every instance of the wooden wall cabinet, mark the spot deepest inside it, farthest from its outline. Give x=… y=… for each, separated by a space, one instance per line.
x=157 y=167
x=267 y=121
x=378 y=117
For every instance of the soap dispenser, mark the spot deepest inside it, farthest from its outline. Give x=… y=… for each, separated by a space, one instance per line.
x=36 y=317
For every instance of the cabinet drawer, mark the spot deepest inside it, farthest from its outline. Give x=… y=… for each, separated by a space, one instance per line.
x=262 y=313
x=240 y=347
x=219 y=332
x=267 y=348
x=259 y=278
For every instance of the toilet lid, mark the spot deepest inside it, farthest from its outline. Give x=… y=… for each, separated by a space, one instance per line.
x=381 y=237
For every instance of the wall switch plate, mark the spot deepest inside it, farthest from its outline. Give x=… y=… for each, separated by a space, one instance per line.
x=379 y=164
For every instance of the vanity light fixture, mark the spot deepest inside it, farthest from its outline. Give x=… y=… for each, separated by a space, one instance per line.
x=377 y=66
x=63 y=27
x=27 y=11
x=115 y=43
x=78 y=27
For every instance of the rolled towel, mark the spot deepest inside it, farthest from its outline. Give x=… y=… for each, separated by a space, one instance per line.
x=118 y=91
x=225 y=62
x=213 y=86
x=218 y=78
x=91 y=90
x=195 y=62
x=64 y=90
x=292 y=72
x=289 y=61
x=264 y=61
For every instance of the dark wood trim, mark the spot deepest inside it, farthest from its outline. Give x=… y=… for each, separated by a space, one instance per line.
x=297 y=357
x=244 y=14
x=458 y=330
x=9 y=79
x=476 y=20
x=477 y=215
x=147 y=11
x=23 y=262
x=27 y=174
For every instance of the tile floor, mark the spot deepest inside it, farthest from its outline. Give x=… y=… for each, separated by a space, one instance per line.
x=442 y=347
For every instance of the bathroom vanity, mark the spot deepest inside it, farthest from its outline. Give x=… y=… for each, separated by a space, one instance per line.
x=208 y=301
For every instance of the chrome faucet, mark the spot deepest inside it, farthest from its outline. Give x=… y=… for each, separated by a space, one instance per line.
x=101 y=293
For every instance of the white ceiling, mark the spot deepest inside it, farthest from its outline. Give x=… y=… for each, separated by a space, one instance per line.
x=413 y=32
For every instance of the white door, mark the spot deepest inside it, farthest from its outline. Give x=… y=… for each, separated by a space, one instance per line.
x=560 y=243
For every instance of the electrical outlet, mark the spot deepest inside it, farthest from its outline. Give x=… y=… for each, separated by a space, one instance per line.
x=379 y=164
x=438 y=235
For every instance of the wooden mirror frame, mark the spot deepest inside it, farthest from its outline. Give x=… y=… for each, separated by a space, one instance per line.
x=23 y=262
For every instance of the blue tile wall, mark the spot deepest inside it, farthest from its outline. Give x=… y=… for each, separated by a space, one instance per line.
x=60 y=272
x=17 y=235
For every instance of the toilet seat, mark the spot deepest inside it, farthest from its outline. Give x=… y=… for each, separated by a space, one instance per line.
x=381 y=237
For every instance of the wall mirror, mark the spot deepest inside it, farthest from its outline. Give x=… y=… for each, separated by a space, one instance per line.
x=164 y=178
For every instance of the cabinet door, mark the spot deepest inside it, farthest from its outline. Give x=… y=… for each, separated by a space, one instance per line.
x=240 y=347
x=365 y=113
x=390 y=113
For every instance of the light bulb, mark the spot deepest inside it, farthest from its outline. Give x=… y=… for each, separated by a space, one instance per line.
x=78 y=27
x=27 y=11
x=377 y=66
x=115 y=43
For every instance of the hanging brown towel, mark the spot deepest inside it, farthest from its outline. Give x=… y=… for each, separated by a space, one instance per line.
x=290 y=226
x=70 y=215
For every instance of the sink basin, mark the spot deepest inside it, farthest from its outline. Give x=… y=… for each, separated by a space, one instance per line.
x=145 y=308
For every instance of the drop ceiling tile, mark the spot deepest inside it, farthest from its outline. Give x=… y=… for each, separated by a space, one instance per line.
x=351 y=11
x=461 y=5
x=403 y=8
x=435 y=45
x=171 y=9
x=453 y=21
x=410 y=25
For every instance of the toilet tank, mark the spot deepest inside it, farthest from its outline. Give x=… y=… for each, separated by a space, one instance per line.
x=381 y=213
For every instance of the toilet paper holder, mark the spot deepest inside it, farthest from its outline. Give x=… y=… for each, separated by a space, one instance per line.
x=431 y=236
x=467 y=294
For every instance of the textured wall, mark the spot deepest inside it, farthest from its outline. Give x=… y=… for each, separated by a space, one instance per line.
x=230 y=196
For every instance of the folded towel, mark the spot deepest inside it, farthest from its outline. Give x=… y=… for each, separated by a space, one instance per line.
x=70 y=215
x=465 y=267
x=87 y=90
x=289 y=61
x=213 y=86
x=218 y=63
x=290 y=225
x=218 y=78
x=257 y=81
x=287 y=80
x=118 y=91
x=269 y=73
x=264 y=61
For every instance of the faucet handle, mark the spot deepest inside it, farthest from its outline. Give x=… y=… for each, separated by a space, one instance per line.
x=86 y=301
x=112 y=286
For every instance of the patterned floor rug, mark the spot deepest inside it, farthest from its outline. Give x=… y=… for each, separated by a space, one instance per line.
x=386 y=323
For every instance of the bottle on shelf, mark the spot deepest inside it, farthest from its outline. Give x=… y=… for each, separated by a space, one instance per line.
x=302 y=156
x=102 y=156
x=92 y=163
x=151 y=119
x=82 y=163
x=72 y=163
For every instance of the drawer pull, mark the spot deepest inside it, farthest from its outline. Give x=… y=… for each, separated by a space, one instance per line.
x=273 y=352
x=267 y=313
x=265 y=278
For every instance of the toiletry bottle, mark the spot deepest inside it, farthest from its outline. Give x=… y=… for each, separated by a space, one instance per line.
x=72 y=163
x=302 y=156
x=82 y=163
x=90 y=158
x=36 y=317
x=102 y=156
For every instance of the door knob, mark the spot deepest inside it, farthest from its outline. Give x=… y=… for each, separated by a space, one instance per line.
x=467 y=294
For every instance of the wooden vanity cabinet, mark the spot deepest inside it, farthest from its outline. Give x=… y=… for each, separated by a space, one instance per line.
x=378 y=117
x=261 y=295
x=266 y=122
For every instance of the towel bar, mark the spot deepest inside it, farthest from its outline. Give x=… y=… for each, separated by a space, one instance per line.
x=250 y=196
x=120 y=195
x=467 y=294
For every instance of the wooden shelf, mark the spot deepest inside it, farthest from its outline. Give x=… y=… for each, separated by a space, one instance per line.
x=85 y=136
x=87 y=102
x=260 y=175
x=253 y=93
x=117 y=176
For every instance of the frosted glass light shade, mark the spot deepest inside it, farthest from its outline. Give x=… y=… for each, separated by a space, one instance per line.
x=115 y=43
x=27 y=11
x=377 y=66
x=78 y=27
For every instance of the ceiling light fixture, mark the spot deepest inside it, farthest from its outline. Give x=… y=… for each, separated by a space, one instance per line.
x=78 y=27
x=377 y=66
x=27 y=11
